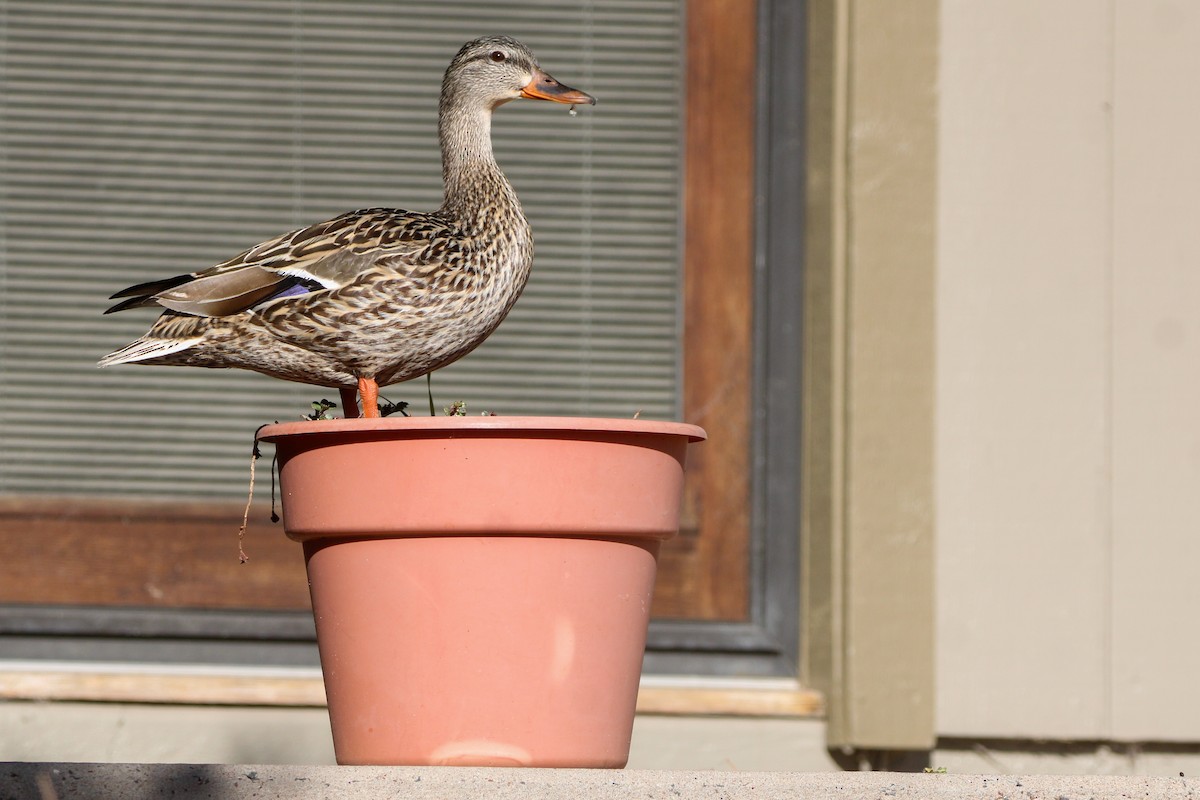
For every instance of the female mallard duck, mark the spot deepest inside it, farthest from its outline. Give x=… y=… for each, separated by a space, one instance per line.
x=377 y=296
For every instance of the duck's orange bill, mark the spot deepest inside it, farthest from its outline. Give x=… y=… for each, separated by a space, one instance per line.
x=544 y=87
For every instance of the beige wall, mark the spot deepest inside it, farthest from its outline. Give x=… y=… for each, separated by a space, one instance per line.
x=1068 y=392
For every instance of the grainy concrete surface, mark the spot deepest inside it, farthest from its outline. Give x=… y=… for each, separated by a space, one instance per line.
x=65 y=781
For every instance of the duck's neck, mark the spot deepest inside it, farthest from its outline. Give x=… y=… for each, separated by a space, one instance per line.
x=476 y=190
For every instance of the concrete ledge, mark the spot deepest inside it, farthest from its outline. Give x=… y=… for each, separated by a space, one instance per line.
x=66 y=781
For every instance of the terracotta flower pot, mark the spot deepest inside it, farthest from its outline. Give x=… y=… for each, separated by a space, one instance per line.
x=481 y=586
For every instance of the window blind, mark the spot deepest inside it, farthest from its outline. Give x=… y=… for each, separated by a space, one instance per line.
x=144 y=139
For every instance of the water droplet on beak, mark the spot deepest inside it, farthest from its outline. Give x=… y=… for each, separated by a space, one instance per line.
x=572 y=111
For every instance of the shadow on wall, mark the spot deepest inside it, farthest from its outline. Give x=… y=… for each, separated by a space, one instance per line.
x=882 y=760
x=968 y=756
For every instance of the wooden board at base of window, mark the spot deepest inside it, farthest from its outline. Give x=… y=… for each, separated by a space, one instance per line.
x=146 y=554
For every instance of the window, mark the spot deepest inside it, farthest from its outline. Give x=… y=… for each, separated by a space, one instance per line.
x=140 y=141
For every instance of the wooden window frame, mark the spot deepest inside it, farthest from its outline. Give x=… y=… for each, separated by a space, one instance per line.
x=743 y=215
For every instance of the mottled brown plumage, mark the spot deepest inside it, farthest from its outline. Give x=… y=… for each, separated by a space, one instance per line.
x=376 y=296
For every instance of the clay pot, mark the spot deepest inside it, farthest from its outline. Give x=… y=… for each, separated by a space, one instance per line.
x=481 y=586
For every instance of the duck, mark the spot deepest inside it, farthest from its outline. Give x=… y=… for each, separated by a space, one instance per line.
x=376 y=296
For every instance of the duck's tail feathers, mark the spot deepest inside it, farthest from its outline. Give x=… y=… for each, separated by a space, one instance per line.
x=146 y=348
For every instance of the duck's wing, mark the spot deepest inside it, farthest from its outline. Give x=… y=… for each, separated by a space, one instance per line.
x=321 y=257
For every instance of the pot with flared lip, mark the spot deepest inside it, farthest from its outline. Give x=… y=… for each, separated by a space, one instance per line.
x=481 y=585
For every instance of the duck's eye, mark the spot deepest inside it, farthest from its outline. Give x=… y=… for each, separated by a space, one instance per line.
x=498 y=56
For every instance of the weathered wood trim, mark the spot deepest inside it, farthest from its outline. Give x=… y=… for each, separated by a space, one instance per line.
x=91 y=552
x=708 y=572
x=296 y=687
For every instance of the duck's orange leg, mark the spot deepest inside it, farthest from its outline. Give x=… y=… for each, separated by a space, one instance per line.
x=349 y=401
x=368 y=390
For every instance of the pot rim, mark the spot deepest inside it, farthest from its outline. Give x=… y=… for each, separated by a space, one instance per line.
x=452 y=425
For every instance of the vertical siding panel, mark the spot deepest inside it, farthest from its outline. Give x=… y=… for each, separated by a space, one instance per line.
x=1156 y=398
x=1023 y=363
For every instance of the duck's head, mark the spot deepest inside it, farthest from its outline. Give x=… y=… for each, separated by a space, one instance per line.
x=493 y=70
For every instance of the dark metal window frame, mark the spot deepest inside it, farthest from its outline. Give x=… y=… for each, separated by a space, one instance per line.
x=765 y=645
